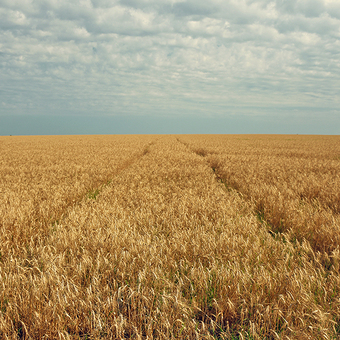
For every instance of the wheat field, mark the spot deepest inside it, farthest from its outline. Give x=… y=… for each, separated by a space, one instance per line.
x=170 y=237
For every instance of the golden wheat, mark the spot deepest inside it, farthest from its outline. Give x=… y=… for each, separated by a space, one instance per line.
x=294 y=181
x=177 y=242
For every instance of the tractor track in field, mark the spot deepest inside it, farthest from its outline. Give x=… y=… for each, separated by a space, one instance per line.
x=93 y=192
x=221 y=178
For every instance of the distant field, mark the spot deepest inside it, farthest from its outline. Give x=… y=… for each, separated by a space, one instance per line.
x=170 y=237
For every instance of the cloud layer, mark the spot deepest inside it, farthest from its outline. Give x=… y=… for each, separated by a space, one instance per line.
x=170 y=57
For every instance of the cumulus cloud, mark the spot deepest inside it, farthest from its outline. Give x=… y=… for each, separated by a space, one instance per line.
x=168 y=57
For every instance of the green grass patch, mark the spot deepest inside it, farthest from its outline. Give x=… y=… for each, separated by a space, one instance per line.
x=92 y=194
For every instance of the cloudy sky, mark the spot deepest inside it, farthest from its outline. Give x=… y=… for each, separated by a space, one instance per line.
x=169 y=66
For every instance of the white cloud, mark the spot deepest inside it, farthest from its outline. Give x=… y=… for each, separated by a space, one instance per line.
x=168 y=57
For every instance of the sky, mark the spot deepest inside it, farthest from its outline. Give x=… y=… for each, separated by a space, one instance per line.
x=169 y=66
